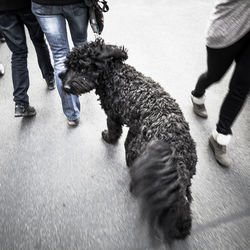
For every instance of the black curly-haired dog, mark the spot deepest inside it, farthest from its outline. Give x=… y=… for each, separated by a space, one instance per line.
x=159 y=149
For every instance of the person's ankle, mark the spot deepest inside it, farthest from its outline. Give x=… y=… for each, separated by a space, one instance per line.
x=220 y=138
x=198 y=100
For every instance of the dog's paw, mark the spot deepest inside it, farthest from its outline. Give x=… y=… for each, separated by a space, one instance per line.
x=106 y=138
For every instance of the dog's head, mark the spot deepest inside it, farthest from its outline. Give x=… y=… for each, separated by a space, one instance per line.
x=85 y=65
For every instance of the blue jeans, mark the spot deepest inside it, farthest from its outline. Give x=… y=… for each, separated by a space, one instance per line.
x=52 y=20
x=12 y=26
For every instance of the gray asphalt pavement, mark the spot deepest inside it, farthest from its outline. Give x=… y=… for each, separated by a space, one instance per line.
x=64 y=188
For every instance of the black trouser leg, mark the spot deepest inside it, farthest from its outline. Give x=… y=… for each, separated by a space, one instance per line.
x=13 y=30
x=37 y=37
x=218 y=62
x=238 y=91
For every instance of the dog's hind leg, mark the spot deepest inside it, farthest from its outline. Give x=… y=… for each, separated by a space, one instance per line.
x=132 y=146
x=132 y=150
x=114 y=131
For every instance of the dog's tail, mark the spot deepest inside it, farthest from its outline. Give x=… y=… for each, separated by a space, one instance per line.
x=158 y=179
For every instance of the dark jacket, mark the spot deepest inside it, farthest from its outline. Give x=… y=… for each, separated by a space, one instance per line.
x=10 y=5
x=57 y=2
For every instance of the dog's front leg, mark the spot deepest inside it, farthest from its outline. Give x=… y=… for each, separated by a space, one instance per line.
x=114 y=131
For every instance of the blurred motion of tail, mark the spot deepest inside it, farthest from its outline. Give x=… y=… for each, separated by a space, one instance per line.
x=161 y=181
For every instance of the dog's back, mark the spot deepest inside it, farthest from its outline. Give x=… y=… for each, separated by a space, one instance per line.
x=145 y=107
x=161 y=155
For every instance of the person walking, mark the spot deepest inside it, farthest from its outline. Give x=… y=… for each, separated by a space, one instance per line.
x=228 y=41
x=14 y=16
x=52 y=16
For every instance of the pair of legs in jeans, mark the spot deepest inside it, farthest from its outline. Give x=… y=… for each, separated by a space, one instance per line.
x=52 y=20
x=12 y=26
x=218 y=62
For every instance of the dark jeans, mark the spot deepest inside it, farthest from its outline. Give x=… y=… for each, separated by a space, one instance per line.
x=218 y=62
x=12 y=26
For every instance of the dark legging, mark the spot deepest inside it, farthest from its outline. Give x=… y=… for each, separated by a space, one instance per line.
x=218 y=62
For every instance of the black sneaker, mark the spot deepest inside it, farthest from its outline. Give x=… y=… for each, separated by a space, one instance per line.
x=22 y=111
x=2 y=39
x=51 y=84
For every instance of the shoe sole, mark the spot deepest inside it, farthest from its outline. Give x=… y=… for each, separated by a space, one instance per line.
x=75 y=124
x=51 y=87
x=212 y=148
x=200 y=115
x=22 y=115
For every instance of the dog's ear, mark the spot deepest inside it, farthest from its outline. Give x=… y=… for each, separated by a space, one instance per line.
x=113 y=53
x=107 y=54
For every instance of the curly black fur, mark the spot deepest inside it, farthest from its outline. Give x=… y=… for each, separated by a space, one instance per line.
x=159 y=149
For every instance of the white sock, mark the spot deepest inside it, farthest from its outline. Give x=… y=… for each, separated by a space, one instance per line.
x=198 y=100
x=220 y=138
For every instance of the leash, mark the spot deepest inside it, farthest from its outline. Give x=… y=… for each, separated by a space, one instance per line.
x=96 y=17
x=104 y=8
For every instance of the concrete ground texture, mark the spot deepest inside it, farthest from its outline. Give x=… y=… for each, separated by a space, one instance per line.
x=65 y=188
